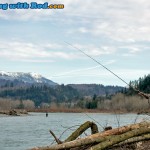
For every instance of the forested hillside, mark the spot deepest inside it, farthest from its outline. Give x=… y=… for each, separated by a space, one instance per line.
x=35 y=87
x=58 y=94
x=98 y=89
x=142 y=84
x=89 y=96
x=41 y=94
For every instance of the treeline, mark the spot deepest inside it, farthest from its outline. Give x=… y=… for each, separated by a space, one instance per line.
x=142 y=84
x=98 y=89
x=59 y=94
x=9 y=104
x=126 y=99
x=119 y=101
x=41 y=94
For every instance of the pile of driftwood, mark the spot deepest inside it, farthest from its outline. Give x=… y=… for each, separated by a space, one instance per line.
x=14 y=112
x=108 y=139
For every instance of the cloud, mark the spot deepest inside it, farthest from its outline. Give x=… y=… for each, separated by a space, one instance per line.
x=93 y=50
x=83 y=30
x=110 y=62
x=32 y=52
x=101 y=76
x=110 y=29
x=133 y=49
x=122 y=21
x=53 y=46
x=131 y=74
x=76 y=71
x=82 y=71
x=48 y=52
x=36 y=60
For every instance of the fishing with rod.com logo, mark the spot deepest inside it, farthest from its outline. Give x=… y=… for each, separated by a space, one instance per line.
x=32 y=5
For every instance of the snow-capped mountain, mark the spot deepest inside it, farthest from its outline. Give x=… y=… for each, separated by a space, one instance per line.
x=27 y=78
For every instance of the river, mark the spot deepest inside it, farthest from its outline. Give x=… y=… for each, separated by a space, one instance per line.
x=25 y=132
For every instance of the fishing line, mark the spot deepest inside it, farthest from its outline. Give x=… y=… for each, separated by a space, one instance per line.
x=135 y=89
x=99 y=63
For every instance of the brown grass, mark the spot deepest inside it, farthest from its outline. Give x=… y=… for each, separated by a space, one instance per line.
x=74 y=110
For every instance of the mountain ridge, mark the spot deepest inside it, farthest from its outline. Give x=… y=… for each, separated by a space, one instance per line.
x=24 y=78
x=98 y=89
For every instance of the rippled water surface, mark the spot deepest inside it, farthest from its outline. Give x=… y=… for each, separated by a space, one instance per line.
x=22 y=133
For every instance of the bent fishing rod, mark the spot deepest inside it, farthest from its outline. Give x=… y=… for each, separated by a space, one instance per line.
x=99 y=63
x=136 y=90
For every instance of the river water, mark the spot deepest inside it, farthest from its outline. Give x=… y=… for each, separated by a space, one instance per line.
x=25 y=132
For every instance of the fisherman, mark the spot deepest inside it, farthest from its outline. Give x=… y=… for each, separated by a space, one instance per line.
x=46 y=114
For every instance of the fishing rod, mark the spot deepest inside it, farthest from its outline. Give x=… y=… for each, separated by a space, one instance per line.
x=136 y=90
x=98 y=63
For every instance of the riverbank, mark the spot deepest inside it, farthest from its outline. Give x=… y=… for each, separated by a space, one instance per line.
x=79 y=110
x=22 y=112
x=14 y=112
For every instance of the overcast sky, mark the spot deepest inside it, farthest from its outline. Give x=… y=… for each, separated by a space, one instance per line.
x=114 y=32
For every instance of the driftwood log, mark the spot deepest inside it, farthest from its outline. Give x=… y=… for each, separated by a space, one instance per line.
x=112 y=140
x=106 y=139
x=78 y=132
x=81 y=129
